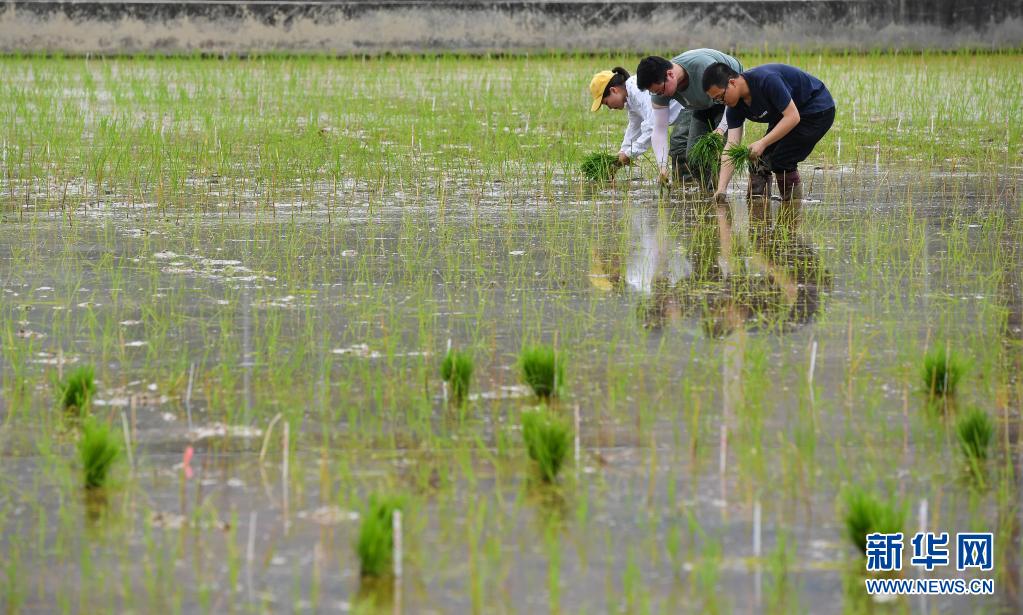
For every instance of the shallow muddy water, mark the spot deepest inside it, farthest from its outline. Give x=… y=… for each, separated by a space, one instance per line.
x=733 y=368
x=689 y=329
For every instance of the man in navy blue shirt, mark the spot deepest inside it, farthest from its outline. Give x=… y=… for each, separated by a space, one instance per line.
x=798 y=111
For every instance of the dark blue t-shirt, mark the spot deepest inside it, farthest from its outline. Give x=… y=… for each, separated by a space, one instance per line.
x=771 y=87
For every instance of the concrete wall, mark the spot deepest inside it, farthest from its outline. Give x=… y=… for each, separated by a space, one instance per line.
x=375 y=27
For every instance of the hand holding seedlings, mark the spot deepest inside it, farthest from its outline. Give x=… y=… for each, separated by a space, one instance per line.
x=797 y=108
x=680 y=80
x=756 y=149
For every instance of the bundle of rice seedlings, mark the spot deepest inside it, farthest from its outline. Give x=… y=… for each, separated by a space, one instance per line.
x=866 y=514
x=600 y=167
x=542 y=369
x=741 y=158
x=548 y=438
x=375 y=546
x=976 y=430
x=77 y=389
x=942 y=369
x=457 y=372
x=98 y=449
x=705 y=155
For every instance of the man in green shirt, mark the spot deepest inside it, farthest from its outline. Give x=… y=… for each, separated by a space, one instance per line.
x=681 y=79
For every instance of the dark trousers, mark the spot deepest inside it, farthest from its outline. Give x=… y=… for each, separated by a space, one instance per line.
x=795 y=147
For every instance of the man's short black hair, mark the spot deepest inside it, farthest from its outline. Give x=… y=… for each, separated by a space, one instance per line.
x=651 y=70
x=717 y=75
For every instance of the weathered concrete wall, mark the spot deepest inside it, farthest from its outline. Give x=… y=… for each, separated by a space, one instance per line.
x=374 y=27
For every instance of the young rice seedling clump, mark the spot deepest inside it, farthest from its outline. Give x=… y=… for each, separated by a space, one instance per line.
x=77 y=389
x=375 y=545
x=706 y=152
x=548 y=438
x=542 y=369
x=741 y=158
x=942 y=369
x=457 y=372
x=600 y=167
x=976 y=430
x=98 y=449
x=866 y=514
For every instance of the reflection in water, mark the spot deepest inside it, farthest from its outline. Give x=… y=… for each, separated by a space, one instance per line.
x=775 y=277
x=741 y=268
x=1009 y=510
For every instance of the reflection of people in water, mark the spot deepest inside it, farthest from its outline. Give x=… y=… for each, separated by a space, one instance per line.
x=741 y=269
x=779 y=281
x=668 y=272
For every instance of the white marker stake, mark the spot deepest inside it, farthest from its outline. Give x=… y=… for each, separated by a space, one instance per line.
x=756 y=529
x=922 y=519
x=250 y=553
x=396 y=527
x=127 y=439
x=758 y=581
x=577 y=438
x=284 y=472
x=813 y=363
x=188 y=395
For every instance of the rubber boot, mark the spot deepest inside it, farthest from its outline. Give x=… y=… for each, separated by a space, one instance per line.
x=759 y=185
x=789 y=185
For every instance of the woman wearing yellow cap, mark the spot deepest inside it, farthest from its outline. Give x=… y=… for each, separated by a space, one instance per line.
x=616 y=89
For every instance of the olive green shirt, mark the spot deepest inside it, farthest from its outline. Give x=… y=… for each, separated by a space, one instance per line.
x=695 y=61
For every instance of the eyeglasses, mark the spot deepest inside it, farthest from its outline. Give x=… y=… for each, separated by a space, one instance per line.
x=720 y=99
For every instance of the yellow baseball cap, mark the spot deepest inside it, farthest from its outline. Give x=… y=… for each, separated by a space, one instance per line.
x=597 y=86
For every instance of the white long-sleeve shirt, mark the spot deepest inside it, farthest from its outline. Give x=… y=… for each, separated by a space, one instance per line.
x=641 y=119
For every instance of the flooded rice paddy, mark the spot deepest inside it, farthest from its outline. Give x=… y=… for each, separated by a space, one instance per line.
x=266 y=260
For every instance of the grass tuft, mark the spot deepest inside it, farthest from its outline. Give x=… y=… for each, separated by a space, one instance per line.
x=976 y=431
x=600 y=167
x=98 y=449
x=741 y=158
x=375 y=546
x=866 y=514
x=77 y=389
x=542 y=369
x=548 y=438
x=942 y=369
x=457 y=372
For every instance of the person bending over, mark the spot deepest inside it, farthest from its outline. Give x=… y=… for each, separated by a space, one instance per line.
x=617 y=90
x=797 y=108
x=681 y=79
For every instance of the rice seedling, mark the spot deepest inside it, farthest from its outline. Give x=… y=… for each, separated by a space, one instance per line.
x=600 y=167
x=98 y=449
x=457 y=370
x=741 y=158
x=705 y=155
x=942 y=370
x=375 y=545
x=77 y=389
x=548 y=439
x=543 y=369
x=866 y=514
x=976 y=431
x=304 y=238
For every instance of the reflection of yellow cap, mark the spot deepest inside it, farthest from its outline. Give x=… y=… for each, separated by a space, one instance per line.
x=597 y=86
